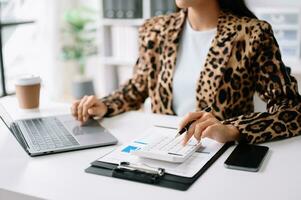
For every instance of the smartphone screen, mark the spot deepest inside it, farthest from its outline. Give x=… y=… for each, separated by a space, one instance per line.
x=246 y=157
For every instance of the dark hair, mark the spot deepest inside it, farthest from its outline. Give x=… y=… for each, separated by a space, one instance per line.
x=236 y=7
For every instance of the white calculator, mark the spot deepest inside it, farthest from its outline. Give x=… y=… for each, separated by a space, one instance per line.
x=168 y=148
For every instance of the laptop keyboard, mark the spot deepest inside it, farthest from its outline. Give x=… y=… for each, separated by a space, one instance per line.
x=48 y=133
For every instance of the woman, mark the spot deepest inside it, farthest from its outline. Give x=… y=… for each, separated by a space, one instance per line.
x=209 y=58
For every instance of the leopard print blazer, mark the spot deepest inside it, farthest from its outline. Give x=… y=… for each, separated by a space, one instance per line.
x=244 y=58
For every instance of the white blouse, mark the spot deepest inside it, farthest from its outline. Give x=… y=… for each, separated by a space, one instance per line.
x=193 y=49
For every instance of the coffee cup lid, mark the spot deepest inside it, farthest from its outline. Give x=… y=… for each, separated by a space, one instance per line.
x=28 y=80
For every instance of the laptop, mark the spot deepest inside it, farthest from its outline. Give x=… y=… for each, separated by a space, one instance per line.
x=61 y=133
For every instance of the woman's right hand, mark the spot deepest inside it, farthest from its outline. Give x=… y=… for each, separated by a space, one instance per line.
x=88 y=106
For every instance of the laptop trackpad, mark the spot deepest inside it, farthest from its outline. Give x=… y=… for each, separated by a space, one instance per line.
x=91 y=133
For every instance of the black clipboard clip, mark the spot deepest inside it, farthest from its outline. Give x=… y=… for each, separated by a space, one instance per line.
x=141 y=173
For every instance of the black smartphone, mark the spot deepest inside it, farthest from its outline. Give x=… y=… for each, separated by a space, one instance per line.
x=246 y=157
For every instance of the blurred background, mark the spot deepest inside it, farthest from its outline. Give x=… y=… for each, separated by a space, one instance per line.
x=91 y=46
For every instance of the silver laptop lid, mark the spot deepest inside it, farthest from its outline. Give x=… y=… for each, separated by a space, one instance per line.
x=14 y=129
x=6 y=118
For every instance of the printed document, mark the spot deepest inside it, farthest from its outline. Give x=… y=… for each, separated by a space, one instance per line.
x=186 y=169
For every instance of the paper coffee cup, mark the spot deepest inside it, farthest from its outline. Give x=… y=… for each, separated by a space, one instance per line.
x=28 y=91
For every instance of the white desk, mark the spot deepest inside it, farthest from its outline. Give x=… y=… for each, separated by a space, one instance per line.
x=62 y=176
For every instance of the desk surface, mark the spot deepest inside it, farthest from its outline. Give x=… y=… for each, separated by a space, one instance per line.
x=62 y=176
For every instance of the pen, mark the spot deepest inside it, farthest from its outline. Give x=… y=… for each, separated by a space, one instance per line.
x=183 y=130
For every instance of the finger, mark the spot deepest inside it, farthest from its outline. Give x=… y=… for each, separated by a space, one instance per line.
x=192 y=127
x=205 y=117
x=189 y=133
x=80 y=109
x=96 y=111
x=190 y=117
x=201 y=126
x=74 y=108
x=88 y=104
x=209 y=131
x=98 y=108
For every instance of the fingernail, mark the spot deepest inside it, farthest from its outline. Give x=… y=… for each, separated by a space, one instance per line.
x=208 y=109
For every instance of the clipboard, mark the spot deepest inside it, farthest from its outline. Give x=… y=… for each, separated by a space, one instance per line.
x=154 y=176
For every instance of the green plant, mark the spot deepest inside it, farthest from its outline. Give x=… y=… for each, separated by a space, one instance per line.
x=79 y=36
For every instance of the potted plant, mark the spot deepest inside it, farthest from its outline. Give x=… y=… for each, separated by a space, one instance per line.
x=79 y=43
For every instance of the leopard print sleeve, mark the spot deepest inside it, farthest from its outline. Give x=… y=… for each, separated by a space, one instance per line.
x=277 y=88
x=132 y=94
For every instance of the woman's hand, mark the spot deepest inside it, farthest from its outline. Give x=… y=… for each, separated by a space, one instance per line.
x=88 y=106
x=206 y=125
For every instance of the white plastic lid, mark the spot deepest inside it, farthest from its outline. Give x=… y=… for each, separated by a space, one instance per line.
x=28 y=80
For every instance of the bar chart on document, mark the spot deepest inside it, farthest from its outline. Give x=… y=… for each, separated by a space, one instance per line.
x=188 y=168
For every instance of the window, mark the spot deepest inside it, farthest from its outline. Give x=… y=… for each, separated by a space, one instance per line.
x=17 y=31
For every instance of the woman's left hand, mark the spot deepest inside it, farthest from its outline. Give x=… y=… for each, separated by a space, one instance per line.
x=206 y=125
